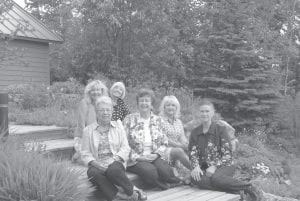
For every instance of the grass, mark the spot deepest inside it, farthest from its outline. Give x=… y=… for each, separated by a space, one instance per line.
x=31 y=176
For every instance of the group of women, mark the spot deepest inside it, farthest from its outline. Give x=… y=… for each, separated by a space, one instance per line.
x=110 y=141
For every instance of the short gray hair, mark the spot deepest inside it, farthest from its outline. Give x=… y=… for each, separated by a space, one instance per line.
x=103 y=100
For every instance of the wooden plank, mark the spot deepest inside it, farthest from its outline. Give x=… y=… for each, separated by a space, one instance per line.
x=36 y=77
x=28 y=44
x=10 y=82
x=25 y=68
x=157 y=194
x=180 y=194
x=24 y=73
x=61 y=144
x=198 y=196
x=227 y=197
x=23 y=60
x=21 y=78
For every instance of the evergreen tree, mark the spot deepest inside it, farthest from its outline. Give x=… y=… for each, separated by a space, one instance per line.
x=237 y=76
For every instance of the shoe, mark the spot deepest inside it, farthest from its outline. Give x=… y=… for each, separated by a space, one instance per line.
x=123 y=197
x=173 y=185
x=254 y=192
x=141 y=195
x=187 y=179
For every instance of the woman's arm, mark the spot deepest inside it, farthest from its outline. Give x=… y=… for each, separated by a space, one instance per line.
x=125 y=149
x=86 y=149
x=182 y=138
x=228 y=133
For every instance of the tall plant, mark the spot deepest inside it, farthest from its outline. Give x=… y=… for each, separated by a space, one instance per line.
x=30 y=176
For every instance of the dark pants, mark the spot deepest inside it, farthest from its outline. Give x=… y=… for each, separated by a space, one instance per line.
x=105 y=181
x=157 y=173
x=222 y=180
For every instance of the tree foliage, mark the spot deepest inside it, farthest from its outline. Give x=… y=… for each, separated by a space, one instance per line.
x=244 y=54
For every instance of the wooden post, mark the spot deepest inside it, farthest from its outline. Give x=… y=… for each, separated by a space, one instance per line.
x=3 y=116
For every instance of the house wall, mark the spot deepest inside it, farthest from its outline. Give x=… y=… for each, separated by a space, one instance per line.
x=25 y=62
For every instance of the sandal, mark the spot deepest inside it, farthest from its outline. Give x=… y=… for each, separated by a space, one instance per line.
x=141 y=195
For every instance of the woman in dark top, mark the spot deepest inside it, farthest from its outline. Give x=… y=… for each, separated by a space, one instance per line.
x=117 y=93
x=210 y=149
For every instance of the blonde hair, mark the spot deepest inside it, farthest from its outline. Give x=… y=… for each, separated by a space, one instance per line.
x=120 y=84
x=170 y=99
x=92 y=85
x=103 y=100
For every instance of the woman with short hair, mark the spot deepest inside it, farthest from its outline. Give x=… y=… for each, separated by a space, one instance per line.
x=105 y=151
x=211 y=147
x=148 y=144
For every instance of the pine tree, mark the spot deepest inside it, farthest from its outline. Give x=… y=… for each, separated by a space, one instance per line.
x=238 y=77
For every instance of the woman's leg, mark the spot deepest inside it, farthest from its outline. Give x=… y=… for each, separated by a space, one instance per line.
x=223 y=180
x=179 y=154
x=165 y=171
x=117 y=175
x=102 y=183
x=148 y=173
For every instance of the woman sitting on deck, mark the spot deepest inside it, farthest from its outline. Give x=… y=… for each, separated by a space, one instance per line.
x=105 y=150
x=148 y=144
x=86 y=111
x=173 y=128
x=210 y=148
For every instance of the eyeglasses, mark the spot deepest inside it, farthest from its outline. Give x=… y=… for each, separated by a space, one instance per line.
x=103 y=110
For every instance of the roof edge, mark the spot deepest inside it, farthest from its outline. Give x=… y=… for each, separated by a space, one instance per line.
x=60 y=39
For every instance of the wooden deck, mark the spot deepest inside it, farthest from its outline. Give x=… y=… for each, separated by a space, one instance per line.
x=187 y=193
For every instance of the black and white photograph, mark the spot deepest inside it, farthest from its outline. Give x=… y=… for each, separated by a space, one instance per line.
x=149 y=100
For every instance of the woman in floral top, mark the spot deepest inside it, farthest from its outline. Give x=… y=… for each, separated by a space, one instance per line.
x=210 y=148
x=117 y=93
x=148 y=144
x=173 y=128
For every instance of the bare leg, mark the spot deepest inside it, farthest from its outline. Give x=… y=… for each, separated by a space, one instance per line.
x=180 y=155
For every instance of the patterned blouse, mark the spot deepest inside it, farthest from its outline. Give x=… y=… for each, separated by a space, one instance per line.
x=173 y=130
x=211 y=148
x=121 y=110
x=104 y=153
x=134 y=127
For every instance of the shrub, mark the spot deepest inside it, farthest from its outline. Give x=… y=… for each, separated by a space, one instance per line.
x=70 y=86
x=46 y=116
x=30 y=176
x=29 y=96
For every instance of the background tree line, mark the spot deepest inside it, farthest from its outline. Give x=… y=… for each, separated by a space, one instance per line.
x=244 y=54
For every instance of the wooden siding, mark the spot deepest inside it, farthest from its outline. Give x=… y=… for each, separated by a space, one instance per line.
x=30 y=64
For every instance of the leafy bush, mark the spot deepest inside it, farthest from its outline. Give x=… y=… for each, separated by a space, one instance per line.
x=71 y=86
x=29 y=96
x=30 y=176
x=45 y=116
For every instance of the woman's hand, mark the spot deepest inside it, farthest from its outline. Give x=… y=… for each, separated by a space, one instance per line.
x=148 y=158
x=97 y=165
x=211 y=170
x=197 y=173
x=77 y=143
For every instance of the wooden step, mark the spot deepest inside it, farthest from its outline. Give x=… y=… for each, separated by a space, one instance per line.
x=62 y=149
x=38 y=133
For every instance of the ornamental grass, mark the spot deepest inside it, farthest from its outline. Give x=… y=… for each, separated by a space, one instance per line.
x=30 y=176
